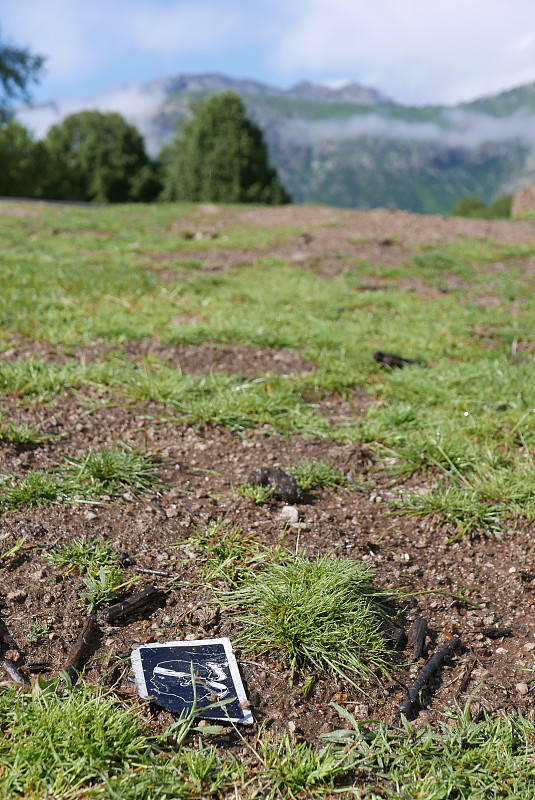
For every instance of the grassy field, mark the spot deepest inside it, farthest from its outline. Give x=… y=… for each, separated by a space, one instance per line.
x=94 y=305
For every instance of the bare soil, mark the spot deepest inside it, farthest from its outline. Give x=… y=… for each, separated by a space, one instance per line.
x=201 y=470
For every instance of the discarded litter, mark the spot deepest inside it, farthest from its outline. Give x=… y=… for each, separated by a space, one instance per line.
x=202 y=673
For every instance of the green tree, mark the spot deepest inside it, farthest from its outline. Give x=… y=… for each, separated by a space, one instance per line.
x=100 y=157
x=473 y=206
x=501 y=208
x=219 y=155
x=21 y=161
x=470 y=206
x=18 y=68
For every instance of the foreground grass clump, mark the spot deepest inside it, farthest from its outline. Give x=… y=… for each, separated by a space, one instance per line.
x=324 y=614
x=114 y=470
x=84 y=744
x=223 y=551
x=85 y=555
x=109 y=472
x=463 y=760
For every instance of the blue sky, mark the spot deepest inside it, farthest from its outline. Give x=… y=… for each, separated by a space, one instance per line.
x=415 y=51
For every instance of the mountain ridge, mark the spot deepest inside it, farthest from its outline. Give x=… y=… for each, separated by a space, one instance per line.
x=350 y=145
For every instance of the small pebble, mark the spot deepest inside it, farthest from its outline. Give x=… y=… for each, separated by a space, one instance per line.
x=529 y=646
x=291 y=726
x=289 y=514
x=13 y=655
x=522 y=688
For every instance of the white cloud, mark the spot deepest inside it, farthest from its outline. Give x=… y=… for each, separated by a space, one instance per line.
x=416 y=50
x=460 y=129
x=137 y=105
x=80 y=39
x=413 y=50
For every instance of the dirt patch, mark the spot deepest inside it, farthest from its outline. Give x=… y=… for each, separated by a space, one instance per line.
x=204 y=358
x=382 y=224
x=333 y=239
x=192 y=359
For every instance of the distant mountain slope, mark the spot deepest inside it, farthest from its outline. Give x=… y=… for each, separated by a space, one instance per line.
x=349 y=145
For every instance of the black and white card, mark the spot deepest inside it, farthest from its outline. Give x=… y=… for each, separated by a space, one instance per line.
x=163 y=672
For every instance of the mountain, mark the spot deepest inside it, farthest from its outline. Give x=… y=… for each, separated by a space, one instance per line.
x=349 y=145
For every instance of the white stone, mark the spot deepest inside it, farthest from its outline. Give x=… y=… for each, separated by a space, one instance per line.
x=289 y=514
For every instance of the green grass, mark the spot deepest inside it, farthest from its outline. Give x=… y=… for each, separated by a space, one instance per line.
x=7 y=552
x=104 y=585
x=113 y=470
x=317 y=475
x=36 y=632
x=85 y=743
x=224 y=553
x=20 y=433
x=108 y=473
x=258 y=494
x=72 y=277
x=323 y=614
x=463 y=760
x=84 y=555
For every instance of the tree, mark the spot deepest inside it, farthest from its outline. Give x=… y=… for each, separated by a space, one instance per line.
x=469 y=206
x=219 y=155
x=100 y=157
x=21 y=161
x=18 y=68
x=472 y=206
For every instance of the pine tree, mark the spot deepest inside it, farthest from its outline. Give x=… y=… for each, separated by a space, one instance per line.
x=219 y=155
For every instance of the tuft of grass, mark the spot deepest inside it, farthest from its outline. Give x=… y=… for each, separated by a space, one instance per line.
x=290 y=769
x=456 y=505
x=324 y=613
x=85 y=555
x=104 y=586
x=258 y=494
x=20 y=433
x=37 y=489
x=317 y=475
x=37 y=630
x=464 y=760
x=113 y=470
x=84 y=743
x=224 y=552
x=6 y=552
x=108 y=472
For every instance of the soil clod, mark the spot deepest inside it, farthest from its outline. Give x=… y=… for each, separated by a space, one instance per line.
x=284 y=486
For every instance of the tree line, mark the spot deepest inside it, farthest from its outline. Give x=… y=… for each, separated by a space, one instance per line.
x=218 y=155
